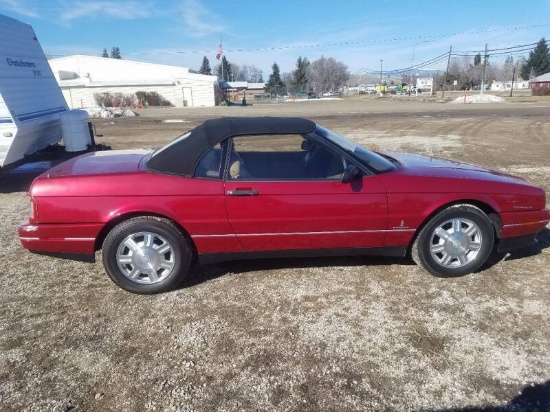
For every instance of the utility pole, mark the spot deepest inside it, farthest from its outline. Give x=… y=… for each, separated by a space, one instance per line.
x=513 y=77
x=447 y=71
x=381 y=71
x=412 y=62
x=483 y=75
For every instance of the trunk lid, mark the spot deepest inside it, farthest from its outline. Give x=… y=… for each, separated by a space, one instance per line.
x=97 y=163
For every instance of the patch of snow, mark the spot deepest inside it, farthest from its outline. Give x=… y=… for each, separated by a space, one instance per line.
x=478 y=98
x=109 y=112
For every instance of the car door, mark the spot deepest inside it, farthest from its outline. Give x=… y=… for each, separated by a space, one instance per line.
x=277 y=201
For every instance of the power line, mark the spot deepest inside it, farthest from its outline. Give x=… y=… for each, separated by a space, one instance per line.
x=343 y=43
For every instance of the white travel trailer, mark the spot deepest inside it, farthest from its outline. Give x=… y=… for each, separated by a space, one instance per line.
x=31 y=102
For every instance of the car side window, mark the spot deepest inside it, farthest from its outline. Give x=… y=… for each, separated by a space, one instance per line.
x=210 y=166
x=282 y=157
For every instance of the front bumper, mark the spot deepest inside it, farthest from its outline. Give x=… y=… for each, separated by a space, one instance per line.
x=520 y=229
x=514 y=243
x=515 y=224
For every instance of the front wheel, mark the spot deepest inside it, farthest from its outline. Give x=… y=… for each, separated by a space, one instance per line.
x=146 y=255
x=455 y=242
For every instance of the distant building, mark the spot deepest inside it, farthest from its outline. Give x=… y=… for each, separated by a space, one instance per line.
x=83 y=78
x=502 y=86
x=424 y=83
x=236 y=91
x=540 y=81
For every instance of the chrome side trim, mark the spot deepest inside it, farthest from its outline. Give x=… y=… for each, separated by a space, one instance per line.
x=204 y=236
x=526 y=223
x=78 y=239
x=336 y=232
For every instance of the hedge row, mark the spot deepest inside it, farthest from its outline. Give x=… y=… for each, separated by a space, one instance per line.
x=541 y=91
x=108 y=99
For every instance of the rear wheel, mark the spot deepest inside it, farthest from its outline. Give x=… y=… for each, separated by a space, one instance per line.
x=455 y=242
x=146 y=255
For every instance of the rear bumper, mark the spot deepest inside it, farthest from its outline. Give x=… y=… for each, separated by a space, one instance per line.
x=59 y=238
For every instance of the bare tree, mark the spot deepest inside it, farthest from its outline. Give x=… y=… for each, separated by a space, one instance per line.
x=287 y=79
x=238 y=73
x=246 y=73
x=505 y=72
x=475 y=72
x=328 y=74
x=253 y=74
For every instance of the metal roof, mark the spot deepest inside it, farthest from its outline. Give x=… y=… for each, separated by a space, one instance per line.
x=542 y=78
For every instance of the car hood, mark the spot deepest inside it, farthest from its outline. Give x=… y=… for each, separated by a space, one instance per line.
x=97 y=163
x=420 y=165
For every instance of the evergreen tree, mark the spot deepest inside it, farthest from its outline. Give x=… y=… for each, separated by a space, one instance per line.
x=538 y=62
x=275 y=85
x=115 y=53
x=205 y=67
x=105 y=54
x=300 y=76
x=477 y=59
x=227 y=70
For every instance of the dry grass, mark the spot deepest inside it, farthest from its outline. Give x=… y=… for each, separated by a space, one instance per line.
x=319 y=334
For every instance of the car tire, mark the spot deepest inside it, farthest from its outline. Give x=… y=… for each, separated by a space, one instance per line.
x=455 y=242
x=146 y=255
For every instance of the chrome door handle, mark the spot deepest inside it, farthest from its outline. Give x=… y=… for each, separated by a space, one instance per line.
x=241 y=192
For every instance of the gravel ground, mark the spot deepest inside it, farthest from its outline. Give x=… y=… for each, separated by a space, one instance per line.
x=331 y=334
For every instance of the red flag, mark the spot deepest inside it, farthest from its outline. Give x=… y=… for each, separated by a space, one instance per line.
x=219 y=52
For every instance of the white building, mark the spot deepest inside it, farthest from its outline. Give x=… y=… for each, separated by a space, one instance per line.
x=82 y=78
x=502 y=86
x=424 y=83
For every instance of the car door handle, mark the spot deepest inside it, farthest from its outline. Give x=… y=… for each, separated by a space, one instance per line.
x=242 y=192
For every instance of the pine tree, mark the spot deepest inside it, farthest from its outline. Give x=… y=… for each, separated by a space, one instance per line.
x=115 y=53
x=105 y=54
x=300 y=75
x=275 y=85
x=205 y=67
x=538 y=62
x=227 y=70
x=477 y=59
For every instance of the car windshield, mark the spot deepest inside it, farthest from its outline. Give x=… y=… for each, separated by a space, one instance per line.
x=373 y=160
x=173 y=142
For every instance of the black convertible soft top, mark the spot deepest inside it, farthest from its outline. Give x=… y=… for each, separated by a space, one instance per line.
x=181 y=156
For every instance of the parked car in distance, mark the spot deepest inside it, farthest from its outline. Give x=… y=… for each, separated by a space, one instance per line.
x=237 y=188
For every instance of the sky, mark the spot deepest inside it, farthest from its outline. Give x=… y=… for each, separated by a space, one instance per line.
x=359 y=33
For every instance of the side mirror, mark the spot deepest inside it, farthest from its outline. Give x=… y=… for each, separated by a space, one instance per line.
x=351 y=172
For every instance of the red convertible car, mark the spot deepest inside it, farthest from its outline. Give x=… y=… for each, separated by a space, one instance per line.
x=272 y=187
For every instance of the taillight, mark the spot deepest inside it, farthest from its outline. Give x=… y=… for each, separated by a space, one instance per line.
x=34 y=210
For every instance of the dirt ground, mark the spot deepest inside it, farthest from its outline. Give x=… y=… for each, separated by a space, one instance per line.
x=344 y=334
